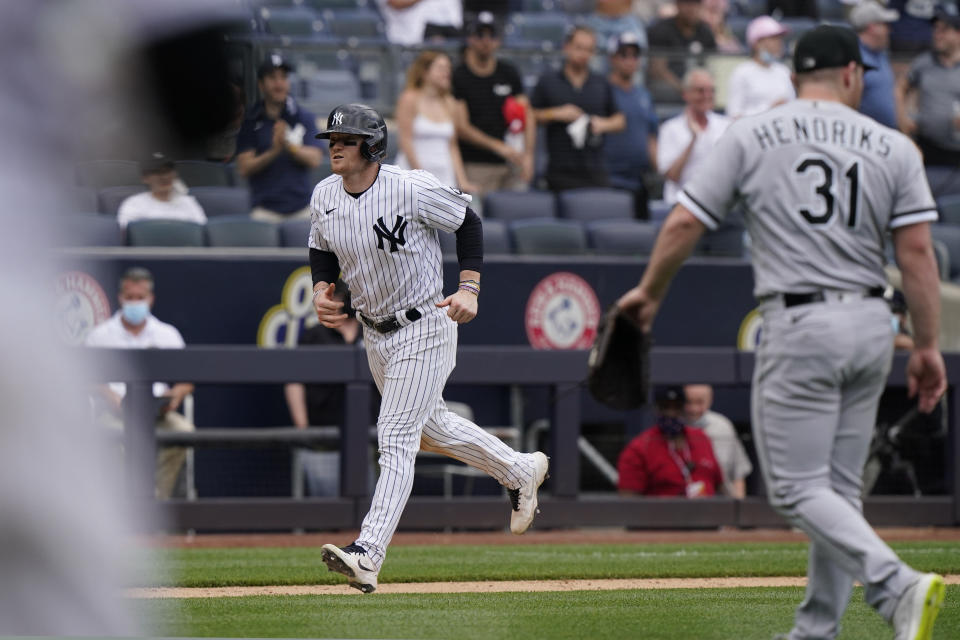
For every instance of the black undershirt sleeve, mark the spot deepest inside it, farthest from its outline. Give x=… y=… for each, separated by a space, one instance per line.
x=324 y=266
x=470 y=242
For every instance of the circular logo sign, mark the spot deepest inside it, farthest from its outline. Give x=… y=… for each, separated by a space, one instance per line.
x=562 y=313
x=81 y=305
x=751 y=327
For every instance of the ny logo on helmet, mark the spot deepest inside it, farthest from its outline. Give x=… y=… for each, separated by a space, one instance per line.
x=338 y=118
x=394 y=236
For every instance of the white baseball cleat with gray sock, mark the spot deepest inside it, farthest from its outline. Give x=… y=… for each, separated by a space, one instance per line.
x=524 y=498
x=918 y=608
x=351 y=561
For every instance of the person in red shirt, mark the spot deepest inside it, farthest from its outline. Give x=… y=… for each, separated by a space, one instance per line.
x=670 y=459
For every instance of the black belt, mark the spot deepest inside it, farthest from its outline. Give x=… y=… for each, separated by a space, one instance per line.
x=795 y=299
x=390 y=324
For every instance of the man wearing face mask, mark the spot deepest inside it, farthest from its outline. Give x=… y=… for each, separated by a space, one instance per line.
x=134 y=327
x=671 y=458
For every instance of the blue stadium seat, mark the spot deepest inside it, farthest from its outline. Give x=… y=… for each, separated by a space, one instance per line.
x=496 y=237
x=518 y=205
x=324 y=89
x=547 y=236
x=300 y=22
x=109 y=173
x=622 y=237
x=944 y=181
x=797 y=27
x=323 y=5
x=541 y=30
x=832 y=10
x=355 y=27
x=293 y=233
x=202 y=173
x=165 y=233
x=222 y=201
x=241 y=231
x=88 y=230
x=659 y=210
x=949 y=235
x=949 y=208
x=112 y=197
x=595 y=204
x=724 y=242
x=82 y=199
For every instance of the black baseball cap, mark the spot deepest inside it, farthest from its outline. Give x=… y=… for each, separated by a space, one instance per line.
x=827 y=47
x=271 y=62
x=156 y=162
x=947 y=12
x=669 y=395
x=483 y=21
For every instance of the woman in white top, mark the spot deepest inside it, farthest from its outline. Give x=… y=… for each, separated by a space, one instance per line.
x=424 y=114
x=164 y=200
x=763 y=81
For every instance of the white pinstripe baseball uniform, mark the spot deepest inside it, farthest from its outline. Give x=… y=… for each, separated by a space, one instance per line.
x=389 y=253
x=821 y=186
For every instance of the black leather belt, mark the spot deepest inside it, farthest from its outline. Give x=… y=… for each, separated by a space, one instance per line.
x=390 y=324
x=795 y=299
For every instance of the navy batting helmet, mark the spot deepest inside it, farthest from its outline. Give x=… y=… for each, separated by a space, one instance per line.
x=360 y=120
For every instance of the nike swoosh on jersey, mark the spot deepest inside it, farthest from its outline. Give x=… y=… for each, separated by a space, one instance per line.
x=329 y=210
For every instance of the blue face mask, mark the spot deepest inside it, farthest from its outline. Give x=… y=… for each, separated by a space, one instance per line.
x=670 y=427
x=767 y=58
x=135 y=312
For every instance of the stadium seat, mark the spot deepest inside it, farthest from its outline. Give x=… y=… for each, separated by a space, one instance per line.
x=622 y=237
x=595 y=204
x=293 y=233
x=356 y=26
x=109 y=173
x=518 y=205
x=949 y=209
x=942 y=254
x=496 y=237
x=832 y=10
x=222 y=201
x=448 y=243
x=540 y=30
x=241 y=231
x=164 y=233
x=88 y=230
x=324 y=89
x=323 y=5
x=546 y=236
x=112 y=197
x=949 y=235
x=724 y=242
x=291 y=21
x=82 y=199
x=659 y=209
x=201 y=173
x=944 y=181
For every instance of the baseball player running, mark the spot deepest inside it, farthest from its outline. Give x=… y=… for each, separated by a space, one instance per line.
x=378 y=224
x=821 y=186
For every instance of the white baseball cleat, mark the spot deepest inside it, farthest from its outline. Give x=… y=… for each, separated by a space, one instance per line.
x=918 y=608
x=351 y=561
x=524 y=498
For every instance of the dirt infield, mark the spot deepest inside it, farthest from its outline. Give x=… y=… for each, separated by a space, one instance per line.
x=571 y=536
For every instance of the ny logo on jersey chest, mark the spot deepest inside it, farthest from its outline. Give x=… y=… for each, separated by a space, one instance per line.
x=394 y=236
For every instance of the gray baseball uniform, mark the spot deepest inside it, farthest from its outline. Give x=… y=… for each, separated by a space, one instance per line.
x=821 y=186
x=389 y=252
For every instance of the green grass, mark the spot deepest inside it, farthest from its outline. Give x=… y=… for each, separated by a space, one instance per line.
x=290 y=566
x=686 y=614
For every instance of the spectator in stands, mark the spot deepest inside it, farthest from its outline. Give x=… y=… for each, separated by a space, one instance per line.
x=632 y=152
x=276 y=147
x=686 y=139
x=680 y=42
x=911 y=33
x=714 y=13
x=166 y=198
x=727 y=449
x=762 y=81
x=134 y=327
x=426 y=115
x=578 y=109
x=321 y=404
x=413 y=22
x=934 y=82
x=671 y=458
x=871 y=21
x=487 y=90
x=611 y=18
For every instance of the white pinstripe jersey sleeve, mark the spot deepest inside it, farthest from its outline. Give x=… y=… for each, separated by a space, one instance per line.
x=439 y=206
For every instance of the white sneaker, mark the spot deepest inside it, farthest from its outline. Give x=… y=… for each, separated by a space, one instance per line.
x=524 y=499
x=918 y=608
x=351 y=561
